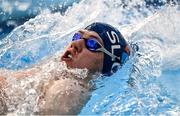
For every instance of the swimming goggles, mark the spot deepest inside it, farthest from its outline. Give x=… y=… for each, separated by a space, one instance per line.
x=93 y=45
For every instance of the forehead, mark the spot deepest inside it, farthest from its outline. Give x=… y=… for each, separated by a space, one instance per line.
x=87 y=34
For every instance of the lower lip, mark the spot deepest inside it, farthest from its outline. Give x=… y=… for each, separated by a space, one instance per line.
x=68 y=61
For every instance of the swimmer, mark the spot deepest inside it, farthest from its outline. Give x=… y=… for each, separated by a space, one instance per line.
x=99 y=48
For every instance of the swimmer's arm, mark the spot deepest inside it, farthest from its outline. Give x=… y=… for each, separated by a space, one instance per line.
x=18 y=74
x=25 y=73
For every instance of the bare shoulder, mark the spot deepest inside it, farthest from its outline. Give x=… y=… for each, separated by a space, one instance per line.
x=66 y=96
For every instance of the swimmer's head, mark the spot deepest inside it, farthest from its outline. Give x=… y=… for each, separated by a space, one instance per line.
x=114 y=43
x=98 y=47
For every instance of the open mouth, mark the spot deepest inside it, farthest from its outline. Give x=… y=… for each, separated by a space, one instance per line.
x=67 y=56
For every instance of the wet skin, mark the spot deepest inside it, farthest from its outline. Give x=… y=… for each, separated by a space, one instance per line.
x=77 y=55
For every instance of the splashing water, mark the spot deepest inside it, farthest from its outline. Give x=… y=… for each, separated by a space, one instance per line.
x=147 y=96
x=138 y=88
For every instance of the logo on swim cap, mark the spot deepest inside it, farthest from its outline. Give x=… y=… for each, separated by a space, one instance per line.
x=113 y=42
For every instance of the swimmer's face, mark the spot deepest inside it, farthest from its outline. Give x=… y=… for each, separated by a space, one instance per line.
x=77 y=55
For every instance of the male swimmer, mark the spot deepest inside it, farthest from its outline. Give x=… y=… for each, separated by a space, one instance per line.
x=99 y=48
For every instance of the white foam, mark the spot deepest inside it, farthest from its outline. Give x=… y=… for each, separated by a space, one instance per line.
x=47 y=30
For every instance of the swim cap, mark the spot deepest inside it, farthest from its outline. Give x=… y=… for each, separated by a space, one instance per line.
x=114 y=42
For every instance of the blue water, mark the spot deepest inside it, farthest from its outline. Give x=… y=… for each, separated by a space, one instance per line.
x=148 y=83
x=16 y=15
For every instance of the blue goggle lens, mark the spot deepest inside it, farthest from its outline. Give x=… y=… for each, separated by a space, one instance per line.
x=76 y=36
x=91 y=44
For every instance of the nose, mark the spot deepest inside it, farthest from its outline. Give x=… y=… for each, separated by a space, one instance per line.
x=77 y=45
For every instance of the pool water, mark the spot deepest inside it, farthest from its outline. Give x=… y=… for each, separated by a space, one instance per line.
x=146 y=85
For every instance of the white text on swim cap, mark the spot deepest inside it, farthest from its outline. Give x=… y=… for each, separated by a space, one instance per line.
x=114 y=39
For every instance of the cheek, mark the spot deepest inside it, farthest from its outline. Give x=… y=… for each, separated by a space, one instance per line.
x=90 y=60
x=88 y=56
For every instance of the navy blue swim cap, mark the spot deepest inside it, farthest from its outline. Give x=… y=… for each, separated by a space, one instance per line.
x=114 y=42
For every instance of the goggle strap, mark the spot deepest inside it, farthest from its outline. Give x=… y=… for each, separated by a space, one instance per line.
x=102 y=49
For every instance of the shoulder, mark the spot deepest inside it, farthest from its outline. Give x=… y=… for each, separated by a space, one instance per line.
x=65 y=96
